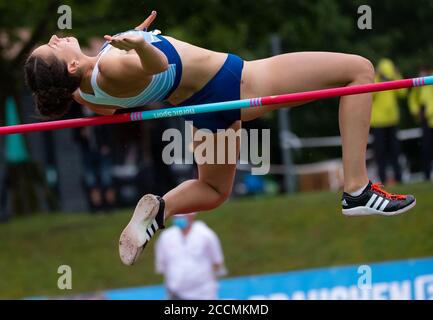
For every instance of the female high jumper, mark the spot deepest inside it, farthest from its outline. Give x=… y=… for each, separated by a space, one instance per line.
x=137 y=68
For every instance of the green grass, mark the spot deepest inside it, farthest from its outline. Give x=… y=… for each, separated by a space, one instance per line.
x=258 y=236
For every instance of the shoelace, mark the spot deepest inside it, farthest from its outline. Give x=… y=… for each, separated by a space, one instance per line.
x=378 y=188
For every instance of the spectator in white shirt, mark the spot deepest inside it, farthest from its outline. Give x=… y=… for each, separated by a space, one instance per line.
x=190 y=257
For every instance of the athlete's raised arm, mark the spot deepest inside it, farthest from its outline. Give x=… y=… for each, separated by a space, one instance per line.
x=152 y=60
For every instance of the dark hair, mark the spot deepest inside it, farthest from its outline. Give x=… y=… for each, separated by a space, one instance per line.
x=52 y=85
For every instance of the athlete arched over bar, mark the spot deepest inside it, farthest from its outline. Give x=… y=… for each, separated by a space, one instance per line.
x=137 y=68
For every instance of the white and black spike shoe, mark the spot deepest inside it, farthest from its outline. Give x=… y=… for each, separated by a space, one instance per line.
x=376 y=201
x=147 y=219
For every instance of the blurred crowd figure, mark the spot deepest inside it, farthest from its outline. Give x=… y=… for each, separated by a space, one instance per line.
x=96 y=156
x=17 y=167
x=421 y=107
x=190 y=257
x=385 y=119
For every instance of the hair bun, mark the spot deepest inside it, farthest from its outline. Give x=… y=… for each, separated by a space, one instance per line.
x=53 y=102
x=53 y=92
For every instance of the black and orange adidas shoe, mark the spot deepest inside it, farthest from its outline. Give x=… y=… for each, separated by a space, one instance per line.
x=147 y=219
x=376 y=201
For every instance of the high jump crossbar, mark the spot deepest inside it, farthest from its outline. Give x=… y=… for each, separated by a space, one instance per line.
x=219 y=106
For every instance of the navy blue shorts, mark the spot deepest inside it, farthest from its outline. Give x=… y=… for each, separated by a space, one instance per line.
x=224 y=86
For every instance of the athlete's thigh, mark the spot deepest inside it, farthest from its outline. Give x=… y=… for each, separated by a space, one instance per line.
x=219 y=175
x=299 y=71
x=295 y=72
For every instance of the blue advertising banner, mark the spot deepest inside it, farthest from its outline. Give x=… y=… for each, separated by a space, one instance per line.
x=400 y=280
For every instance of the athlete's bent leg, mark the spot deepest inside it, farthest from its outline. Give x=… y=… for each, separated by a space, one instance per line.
x=306 y=71
x=210 y=190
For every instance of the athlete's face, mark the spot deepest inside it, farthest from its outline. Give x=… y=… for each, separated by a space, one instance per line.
x=66 y=49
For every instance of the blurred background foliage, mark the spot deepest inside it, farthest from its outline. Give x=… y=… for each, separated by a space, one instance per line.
x=401 y=31
x=243 y=27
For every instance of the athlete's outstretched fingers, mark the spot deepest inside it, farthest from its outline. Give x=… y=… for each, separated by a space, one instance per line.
x=120 y=42
x=125 y=42
x=148 y=22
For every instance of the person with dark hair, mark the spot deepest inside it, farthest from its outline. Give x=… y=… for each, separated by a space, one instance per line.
x=137 y=68
x=96 y=155
x=52 y=85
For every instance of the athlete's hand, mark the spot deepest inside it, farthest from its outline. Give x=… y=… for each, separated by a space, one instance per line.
x=146 y=24
x=125 y=41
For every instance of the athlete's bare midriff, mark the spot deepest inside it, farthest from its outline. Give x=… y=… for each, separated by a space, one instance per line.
x=199 y=66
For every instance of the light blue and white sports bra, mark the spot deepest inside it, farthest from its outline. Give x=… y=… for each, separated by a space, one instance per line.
x=159 y=89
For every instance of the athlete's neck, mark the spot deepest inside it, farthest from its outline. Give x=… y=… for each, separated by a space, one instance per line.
x=87 y=64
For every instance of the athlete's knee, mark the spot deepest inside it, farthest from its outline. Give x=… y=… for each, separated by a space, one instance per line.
x=222 y=194
x=364 y=70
